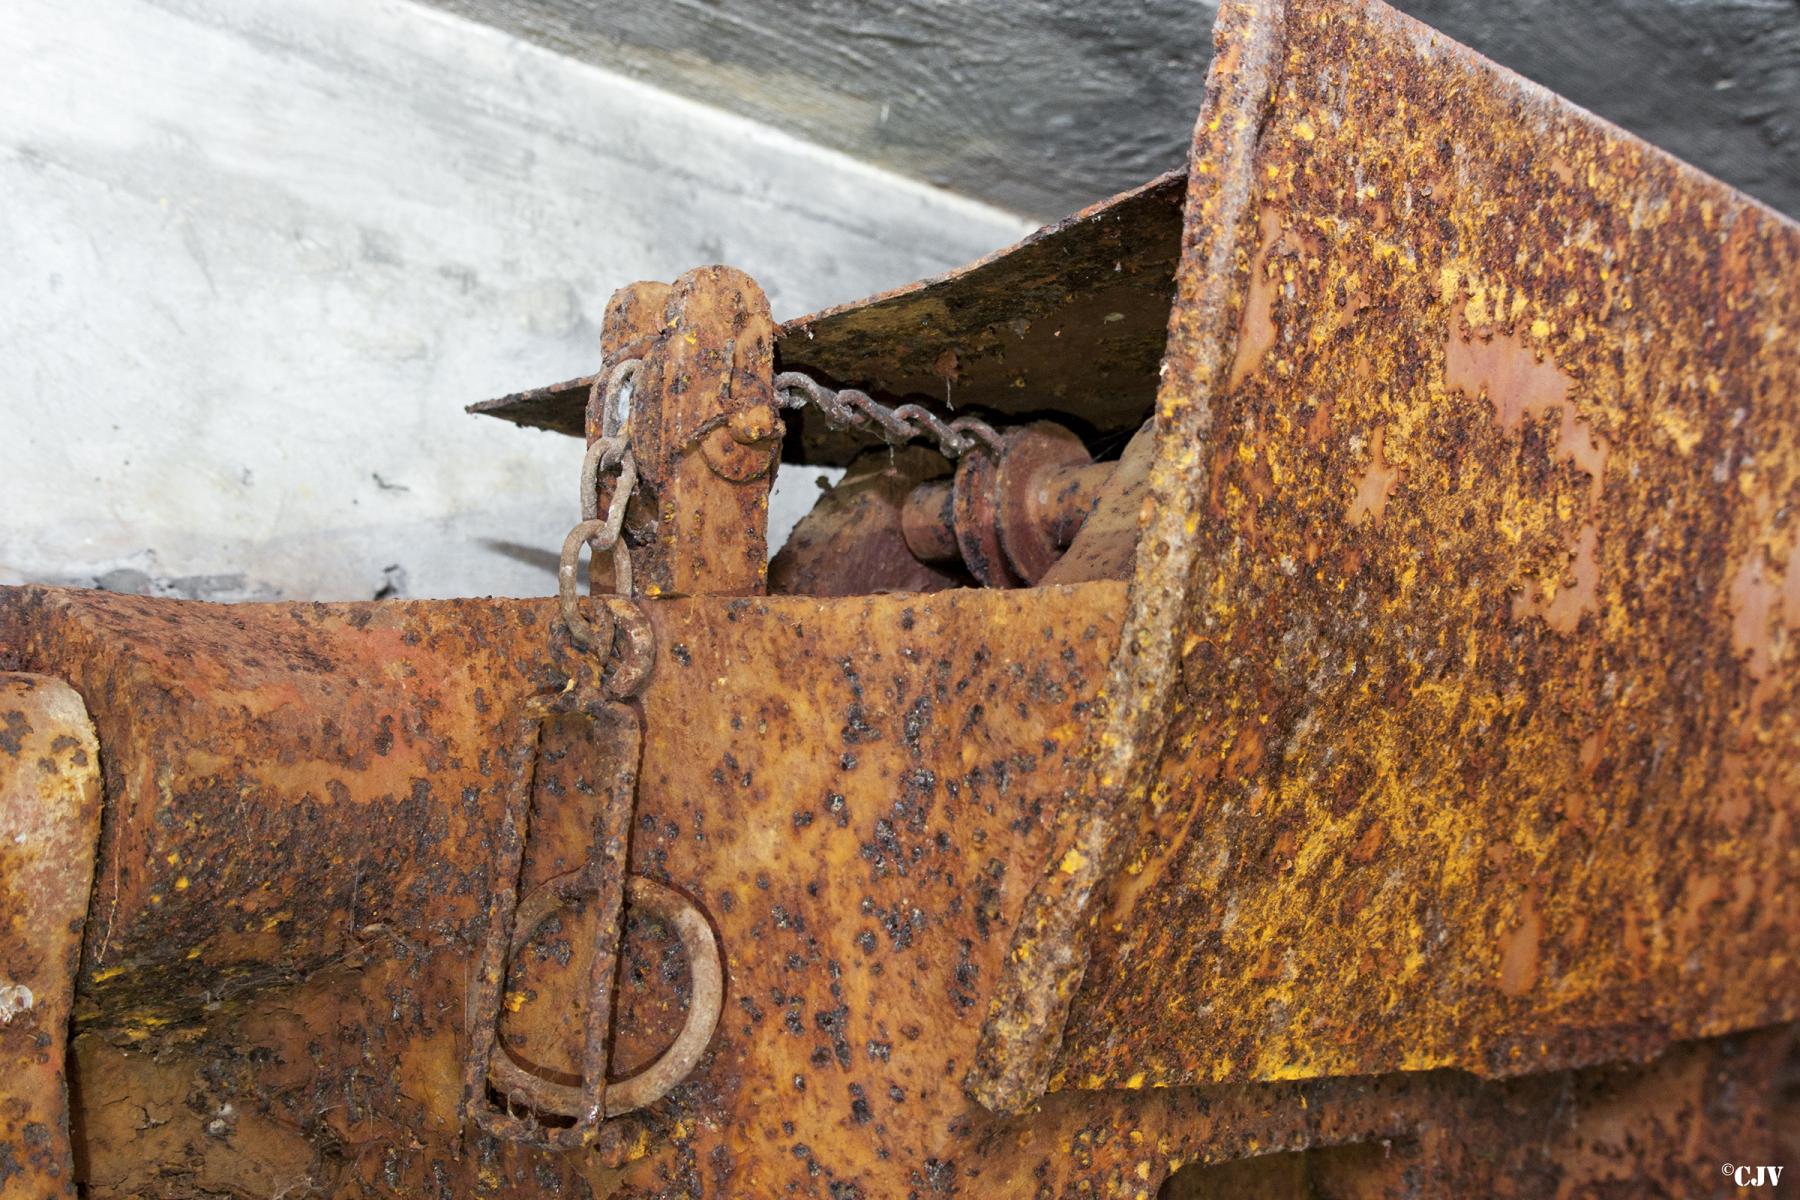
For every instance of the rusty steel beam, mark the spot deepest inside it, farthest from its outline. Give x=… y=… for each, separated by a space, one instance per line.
x=49 y=821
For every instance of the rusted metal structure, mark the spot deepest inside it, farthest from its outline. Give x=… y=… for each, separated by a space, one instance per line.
x=1321 y=715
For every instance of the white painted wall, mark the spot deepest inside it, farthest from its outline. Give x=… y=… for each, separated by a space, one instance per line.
x=255 y=256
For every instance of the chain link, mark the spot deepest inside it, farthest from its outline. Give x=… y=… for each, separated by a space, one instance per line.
x=619 y=648
x=601 y=534
x=846 y=408
x=616 y=613
x=851 y=409
x=619 y=385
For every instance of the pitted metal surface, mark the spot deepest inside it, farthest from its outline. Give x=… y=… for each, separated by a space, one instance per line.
x=1462 y=729
x=1419 y=821
x=857 y=809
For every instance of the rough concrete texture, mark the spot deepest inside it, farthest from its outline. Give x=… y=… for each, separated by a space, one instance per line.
x=259 y=255
x=1045 y=105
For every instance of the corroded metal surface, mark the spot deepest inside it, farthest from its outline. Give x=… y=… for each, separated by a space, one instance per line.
x=1049 y=955
x=1644 y=1130
x=281 y=790
x=1011 y=512
x=1105 y=547
x=605 y=734
x=853 y=542
x=49 y=821
x=558 y=407
x=706 y=431
x=857 y=809
x=1450 y=721
x=1070 y=320
x=1482 y=743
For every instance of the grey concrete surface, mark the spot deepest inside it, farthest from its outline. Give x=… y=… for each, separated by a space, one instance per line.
x=258 y=255
x=1042 y=106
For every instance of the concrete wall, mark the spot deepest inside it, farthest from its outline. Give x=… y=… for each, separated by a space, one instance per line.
x=1046 y=105
x=258 y=255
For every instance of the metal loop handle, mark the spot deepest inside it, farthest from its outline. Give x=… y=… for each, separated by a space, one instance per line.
x=705 y=1003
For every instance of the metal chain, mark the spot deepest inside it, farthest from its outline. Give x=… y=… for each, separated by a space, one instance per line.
x=621 y=636
x=616 y=613
x=620 y=647
x=619 y=383
x=846 y=408
x=851 y=409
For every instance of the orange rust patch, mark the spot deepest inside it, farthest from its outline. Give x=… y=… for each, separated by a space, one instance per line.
x=1790 y=589
x=1765 y=606
x=1519 y=950
x=1256 y=332
x=1377 y=483
x=1318 y=426
x=1701 y=894
x=1560 y=603
x=1520 y=385
x=946 y=367
x=1754 y=592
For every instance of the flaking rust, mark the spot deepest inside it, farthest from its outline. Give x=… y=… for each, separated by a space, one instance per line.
x=860 y=844
x=1390 y=791
x=1470 y=737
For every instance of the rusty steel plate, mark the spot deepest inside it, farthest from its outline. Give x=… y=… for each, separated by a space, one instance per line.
x=558 y=407
x=1447 y=729
x=1069 y=321
x=1461 y=727
x=303 y=807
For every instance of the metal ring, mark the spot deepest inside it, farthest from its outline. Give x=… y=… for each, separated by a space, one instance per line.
x=705 y=1003
x=568 y=592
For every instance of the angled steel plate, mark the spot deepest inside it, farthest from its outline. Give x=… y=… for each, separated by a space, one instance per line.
x=1457 y=721
x=1070 y=320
